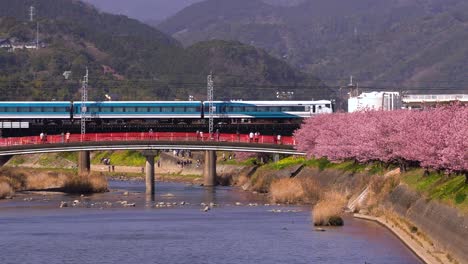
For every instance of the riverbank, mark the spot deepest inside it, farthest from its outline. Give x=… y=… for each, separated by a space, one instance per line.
x=371 y=189
x=425 y=251
x=431 y=207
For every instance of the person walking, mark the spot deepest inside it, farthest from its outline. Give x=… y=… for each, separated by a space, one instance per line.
x=251 y=137
x=67 y=137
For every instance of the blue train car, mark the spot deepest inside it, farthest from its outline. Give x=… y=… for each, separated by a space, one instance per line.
x=34 y=110
x=146 y=110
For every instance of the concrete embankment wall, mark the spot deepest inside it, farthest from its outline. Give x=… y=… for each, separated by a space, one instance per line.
x=441 y=222
x=331 y=179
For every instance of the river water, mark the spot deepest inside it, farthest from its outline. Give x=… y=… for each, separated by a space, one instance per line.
x=33 y=229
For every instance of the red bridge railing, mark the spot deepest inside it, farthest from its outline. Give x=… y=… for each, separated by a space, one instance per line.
x=148 y=136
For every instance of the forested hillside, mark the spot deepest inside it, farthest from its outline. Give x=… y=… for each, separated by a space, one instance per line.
x=127 y=59
x=383 y=43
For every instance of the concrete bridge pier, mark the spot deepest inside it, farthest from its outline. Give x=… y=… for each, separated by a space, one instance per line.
x=210 y=168
x=84 y=162
x=276 y=157
x=150 y=175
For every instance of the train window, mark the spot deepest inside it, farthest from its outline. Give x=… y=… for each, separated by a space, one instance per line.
x=179 y=109
x=286 y=108
x=155 y=109
x=275 y=109
x=328 y=105
x=262 y=109
x=191 y=109
x=11 y=109
x=93 y=109
x=250 y=109
x=130 y=109
x=298 y=108
x=142 y=109
x=48 y=109
x=2 y=109
x=23 y=109
x=36 y=109
x=106 y=109
x=237 y=109
x=60 y=109
x=118 y=109
x=166 y=109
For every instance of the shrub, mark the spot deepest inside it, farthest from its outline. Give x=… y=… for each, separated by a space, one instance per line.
x=329 y=209
x=286 y=190
x=5 y=190
x=86 y=184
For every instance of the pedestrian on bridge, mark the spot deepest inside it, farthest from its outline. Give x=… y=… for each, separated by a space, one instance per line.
x=62 y=137
x=67 y=137
x=251 y=137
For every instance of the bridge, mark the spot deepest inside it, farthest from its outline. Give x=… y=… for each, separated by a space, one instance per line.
x=150 y=143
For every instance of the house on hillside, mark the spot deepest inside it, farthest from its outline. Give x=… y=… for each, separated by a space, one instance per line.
x=6 y=44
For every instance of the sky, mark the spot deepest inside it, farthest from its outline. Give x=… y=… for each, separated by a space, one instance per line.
x=144 y=10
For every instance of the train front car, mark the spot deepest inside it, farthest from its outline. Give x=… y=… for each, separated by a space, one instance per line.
x=141 y=112
x=267 y=112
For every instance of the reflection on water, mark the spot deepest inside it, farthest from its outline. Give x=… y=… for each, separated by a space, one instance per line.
x=37 y=231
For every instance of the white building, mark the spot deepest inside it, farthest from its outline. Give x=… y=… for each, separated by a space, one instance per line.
x=375 y=101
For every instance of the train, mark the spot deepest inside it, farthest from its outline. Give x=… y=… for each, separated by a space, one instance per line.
x=172 y=112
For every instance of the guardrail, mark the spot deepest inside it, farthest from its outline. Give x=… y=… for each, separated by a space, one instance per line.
x=148 y=136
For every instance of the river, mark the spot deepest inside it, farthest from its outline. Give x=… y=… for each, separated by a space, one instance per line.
x=34 y=229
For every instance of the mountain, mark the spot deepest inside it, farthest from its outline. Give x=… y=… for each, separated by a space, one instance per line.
x=143 y=10
x=129 y=60
x=384 y=44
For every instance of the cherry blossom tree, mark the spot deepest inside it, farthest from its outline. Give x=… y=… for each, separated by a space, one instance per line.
x=434 y=138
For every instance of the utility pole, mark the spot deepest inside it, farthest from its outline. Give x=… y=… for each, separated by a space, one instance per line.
x=84 y=99
x=37 y=35
x=210 y=89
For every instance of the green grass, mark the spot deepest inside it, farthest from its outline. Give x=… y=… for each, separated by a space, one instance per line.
x=17 y=160
x=71 y=156
x=46 y=160
x=287 y=162
x=120 y=158
x=448 y=189
x=248 y=162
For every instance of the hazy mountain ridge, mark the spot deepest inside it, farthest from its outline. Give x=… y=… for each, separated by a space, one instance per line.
x=126 y=59
x=381 y=42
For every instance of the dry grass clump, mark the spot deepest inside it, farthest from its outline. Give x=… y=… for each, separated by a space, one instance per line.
x=261 y=182
x=286 y=190
x=329 y=209
x=46 y=180
x=312 y=189
x=93 y=183
x=5 y=190
x=380 y=187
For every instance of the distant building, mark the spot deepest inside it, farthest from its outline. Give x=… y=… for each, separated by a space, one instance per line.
x=375 y=101
x=5 y=44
